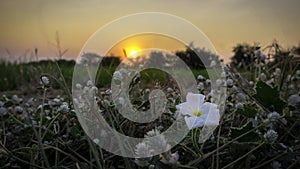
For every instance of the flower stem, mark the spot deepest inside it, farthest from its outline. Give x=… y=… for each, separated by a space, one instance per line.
x=39 y=137
x=195 y=142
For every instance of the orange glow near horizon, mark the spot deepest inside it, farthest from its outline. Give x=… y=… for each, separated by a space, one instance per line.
x=135 y=44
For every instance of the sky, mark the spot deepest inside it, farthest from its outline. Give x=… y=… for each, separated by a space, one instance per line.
x=30 y=24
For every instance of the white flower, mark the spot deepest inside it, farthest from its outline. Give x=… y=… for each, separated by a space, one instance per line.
x=117 y=76
x=45 y=80
x=3 y=111
x=294 y=100
x=96 y=141
x=64 y=107
x=19 y=109
x=78 y=86
x=121 y=100
x=199 y=113
x=229 y=82
x=234 y=89
x=263 y=77
x=239 y=106
x=170 y=90
x=142 y=150
x=200 y=86
x=16 y=99
x=271 y=136
x=208 y=81
x=213 y=63
x=219 y=82
x=89 y=83
x=241 y=97
x=251 y=83
x=200 y=78
x=274 y=116
x=277 y=72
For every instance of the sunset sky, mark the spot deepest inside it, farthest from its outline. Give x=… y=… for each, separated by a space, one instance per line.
x=30 y=24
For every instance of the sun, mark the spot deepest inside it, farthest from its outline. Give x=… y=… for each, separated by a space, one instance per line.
x=133 y=52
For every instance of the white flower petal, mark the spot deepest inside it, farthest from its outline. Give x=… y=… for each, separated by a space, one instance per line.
x=184 y=108
x=195 y=100
x=205 y=108
x=194 y=122
x=213 y=117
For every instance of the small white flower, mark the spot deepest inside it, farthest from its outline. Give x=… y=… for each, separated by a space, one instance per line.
x=251 y=83
x=200 y=86
x=64 y=107
x=241 y=97
x=298 y=72
x=239 y=106
x=294 y=100
x=263 y=77
x=277 y=72
x=152 y=133
x=108 y=92
x=19 y=109
x=213 y=63
x=199 y=113
x=16 y=99
x=271 y=136
x=200 y=78
x=78 y=86
x=219 y=82
x=234 y=89
x=45 y=80
x=117 y=76
x=121 y=100
x=3 y=111
x=142 y=150
x=123 y=71
x=96 y=141
x=229 y=82
x=169 y=158
x=89 y=83
x=223 y=74
x=147 y=90
x=95 y=89
x=86 y=90
x=56 y=101
x=274 y=116
x=30 y=101
x=208 y=81
x=170 y=90
x=151 y=166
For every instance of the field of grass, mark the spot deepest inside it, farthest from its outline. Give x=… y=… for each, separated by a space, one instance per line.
x=39 y=127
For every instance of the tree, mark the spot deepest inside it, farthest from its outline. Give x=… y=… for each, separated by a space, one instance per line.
x=244 y=56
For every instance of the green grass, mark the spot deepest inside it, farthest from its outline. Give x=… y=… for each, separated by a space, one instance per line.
x=27 y=75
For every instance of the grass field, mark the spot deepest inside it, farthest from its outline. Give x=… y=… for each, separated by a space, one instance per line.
x=40 y=129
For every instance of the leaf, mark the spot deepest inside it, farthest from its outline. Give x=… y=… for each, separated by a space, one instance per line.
x=250 y=137
x=248 y=111
x=269 y=97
